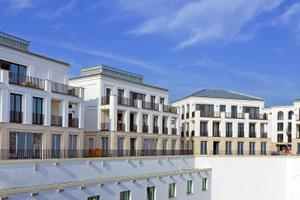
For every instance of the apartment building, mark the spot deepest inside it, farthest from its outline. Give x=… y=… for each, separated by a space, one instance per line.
x=217 y=122
x=123 y=113
x=34 y=103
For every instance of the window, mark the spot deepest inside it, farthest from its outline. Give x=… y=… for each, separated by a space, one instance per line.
x=280 y=127
x=203 y=128
x=188 y=108
x=182 y=145
x=280 y=138
x=162 y=101
x=263 y=148
x=172 y=192
x=173 y=145
x=197 y=106
x=151 y=193
x=234 y=110
x=298 y=148
x=152 y=99
x=252 y=148
x=91 y=143
x=15 y=108
x=209 y=109
x=291 y=114
x=240 y=148
x=94 y=198
x=37 y=111
x=289 y=127
x=228 y=129
x=204 y=184
x=189 y=187
x=104 y=146
x=228 y=148
x=222 y=108
x=25 y=145
x=125 y=195
x=240 y=129
x=120 y=93
x=203 y=147
x=280 y=115
x=56 y=145
x=182 y=110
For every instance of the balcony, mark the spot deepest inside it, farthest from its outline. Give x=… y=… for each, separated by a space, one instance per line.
x=192 y=133
x=121 y=127
x=133 y=127
x=210 y=114
x=241 y=134
x=64 y=89
x=145 y=129
x=170 y=109
x=155 y=129
x=216 y=133
x=150 y=105
x=165 y=130
x=204 y=133
x=73 y=122
x=263 y=135
x=56 y=120
x=252 y=134
x=26 y=81
x=37 y=119
x=174 y=131
x=104 y=126
x=16 y=116
x=105 y=100
x=258 y=116
x=228 y=133
x=235 y=115
x=127 y=102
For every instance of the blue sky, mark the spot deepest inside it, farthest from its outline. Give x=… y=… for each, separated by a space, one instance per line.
x=249 y=46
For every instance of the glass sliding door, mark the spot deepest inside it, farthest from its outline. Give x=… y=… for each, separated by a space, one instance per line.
x=73 y=146
x=37 y=111
x=56 y=144
x=104 y=146
x=16 y=108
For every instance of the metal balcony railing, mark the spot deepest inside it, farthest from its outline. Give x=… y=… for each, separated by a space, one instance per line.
x=258 y=116
x=209 y=114
x=228 y=133
x=235 y=115
x=204 y=133
x=155 y=129
x=216 y=133
x=56 y=120
x=37 y=118
x=174 y=131
x=241 y=134
x=127 y=102
x=105 y=100
x=264 y=135
x=120 y=126
x=65 y=89
x=252 y=134
x=26 y=81
x=170 y=109
x=165 y=130
x=133 y=127
x=73 y=122
x=105 y=126
x=145 y=129
x=16 y=116
x=150 y=105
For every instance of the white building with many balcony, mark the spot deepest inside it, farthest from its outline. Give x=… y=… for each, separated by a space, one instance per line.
x=223 y=122
x=34 y=103
x=123 y=113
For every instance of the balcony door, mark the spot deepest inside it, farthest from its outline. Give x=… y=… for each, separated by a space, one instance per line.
x=15 y=108
x=37 y=111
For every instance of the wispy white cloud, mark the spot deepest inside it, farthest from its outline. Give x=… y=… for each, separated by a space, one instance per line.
x=17 y=6
x=102 y=54
x=205 y=21
x=50 y=14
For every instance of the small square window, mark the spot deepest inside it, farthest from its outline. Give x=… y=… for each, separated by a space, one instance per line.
x=125 y=195
x=204 y=184
x=172 y=192
x=189 y=187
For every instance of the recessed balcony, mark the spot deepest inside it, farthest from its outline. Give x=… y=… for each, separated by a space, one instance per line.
x=26 y=81
x=64 y=89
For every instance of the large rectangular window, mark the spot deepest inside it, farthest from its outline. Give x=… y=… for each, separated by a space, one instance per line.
x=240 y=148
x=252 y=148
x=125 y=195
x=234 y=111
x=204 y=184
x=37 y=110
x=228 y=129
x=104 y=141
x=280 y=127
x=298 y=148
x=151 y=193
x=25 y=145
x=56 y=144
x=263 y=149
x=228 y=148
x=222 y=108
x=172 y=190
x=279 y=137
x=240 y=129
x=203 y=147
x=189 y=187
x=15 y=108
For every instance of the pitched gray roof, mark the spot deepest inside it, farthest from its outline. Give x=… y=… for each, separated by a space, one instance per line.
x=225 y=94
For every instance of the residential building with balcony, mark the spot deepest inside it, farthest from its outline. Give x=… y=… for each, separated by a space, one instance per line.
x=124 y=114
x=215 y=122
x=35 y=97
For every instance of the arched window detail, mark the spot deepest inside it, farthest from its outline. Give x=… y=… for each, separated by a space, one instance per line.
x=280 y=115
x=291 y=114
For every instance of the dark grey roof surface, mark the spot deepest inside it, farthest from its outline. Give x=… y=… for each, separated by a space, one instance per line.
x=225 y=94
